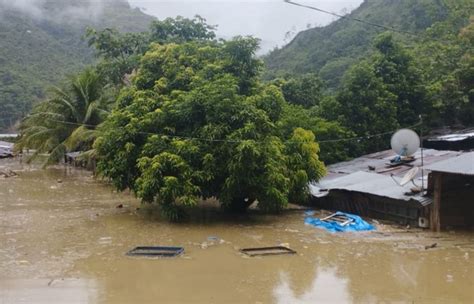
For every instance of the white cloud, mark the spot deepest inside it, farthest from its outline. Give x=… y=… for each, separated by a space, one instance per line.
x=59 y=10
x=268 y=20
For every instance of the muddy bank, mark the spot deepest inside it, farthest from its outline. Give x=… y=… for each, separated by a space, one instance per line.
x=65 y=242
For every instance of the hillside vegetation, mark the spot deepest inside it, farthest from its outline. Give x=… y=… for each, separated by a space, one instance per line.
x=332 y=49
x=39 y=48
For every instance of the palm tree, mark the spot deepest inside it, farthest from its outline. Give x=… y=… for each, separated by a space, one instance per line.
x=67 y=121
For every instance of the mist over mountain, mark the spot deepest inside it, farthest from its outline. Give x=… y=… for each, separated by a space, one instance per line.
x=62 y=10
x=41 y=42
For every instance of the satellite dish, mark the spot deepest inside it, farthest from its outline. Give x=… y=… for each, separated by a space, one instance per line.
x=405 y=142
x=409 y=176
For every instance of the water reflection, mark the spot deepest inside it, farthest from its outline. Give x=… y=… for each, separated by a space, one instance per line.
x=327 y=287
x=51 y=229
x=45 y=291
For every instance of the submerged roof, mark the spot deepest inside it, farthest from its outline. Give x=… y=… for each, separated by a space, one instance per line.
x=462 y=164
x=370 y=174
x=371 y=183
x=378 y=161
x=454 y=136
x=5 y=144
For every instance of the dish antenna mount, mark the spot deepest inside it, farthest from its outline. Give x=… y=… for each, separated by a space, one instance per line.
x=405 y=143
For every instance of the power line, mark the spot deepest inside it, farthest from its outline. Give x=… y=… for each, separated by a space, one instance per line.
x=357 y=138
x=388 y=28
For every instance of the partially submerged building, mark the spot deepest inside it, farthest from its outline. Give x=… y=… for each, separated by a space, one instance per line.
x=6 y=149
x=451 y=185
x=462 y=140
x=370 y=187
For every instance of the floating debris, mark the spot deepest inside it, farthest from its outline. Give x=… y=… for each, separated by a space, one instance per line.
x=340 y=222
x=156 y=251
x=262 y=251
x=6 y=173
x=431 y=246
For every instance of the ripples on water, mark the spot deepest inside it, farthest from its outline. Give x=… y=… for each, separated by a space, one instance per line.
x=65 y=243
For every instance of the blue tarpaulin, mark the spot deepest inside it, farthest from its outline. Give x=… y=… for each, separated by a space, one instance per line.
x=357 y=224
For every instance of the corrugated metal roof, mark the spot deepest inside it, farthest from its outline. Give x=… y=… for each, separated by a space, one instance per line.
x=462 y=164
x=371 y=183
x=380 y=160
x=454 y=136
x=6 y=149
x=5 y=144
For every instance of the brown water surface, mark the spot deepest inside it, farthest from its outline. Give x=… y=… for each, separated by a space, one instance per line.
x=65 y=242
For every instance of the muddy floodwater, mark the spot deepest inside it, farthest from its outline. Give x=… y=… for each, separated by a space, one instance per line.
x=63 y=240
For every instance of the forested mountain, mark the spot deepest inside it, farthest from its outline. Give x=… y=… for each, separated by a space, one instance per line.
x=332 y=49
x=42 y=42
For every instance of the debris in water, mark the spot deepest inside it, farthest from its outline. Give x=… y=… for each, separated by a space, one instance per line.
x=156 y=251
x=431 y=246
x=262 y=251
x=8 y=173
x=340 y=222
x=59 y=181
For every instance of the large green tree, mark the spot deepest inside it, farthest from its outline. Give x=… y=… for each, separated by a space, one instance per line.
x=120 y=53
x=396 y=67
x=196 y=123
x=305 y=90
x=365 y=105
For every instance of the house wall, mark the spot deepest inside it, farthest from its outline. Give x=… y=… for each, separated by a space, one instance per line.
x=457 y=201
x=372 y=206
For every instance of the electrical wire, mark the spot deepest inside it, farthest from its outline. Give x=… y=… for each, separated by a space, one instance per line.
x=385 y=27
x=357 y=138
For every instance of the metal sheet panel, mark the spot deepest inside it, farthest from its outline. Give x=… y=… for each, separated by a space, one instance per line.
x=370 y=183
x=462 y=164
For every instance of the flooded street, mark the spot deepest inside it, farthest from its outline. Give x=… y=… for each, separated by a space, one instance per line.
x=63 y=240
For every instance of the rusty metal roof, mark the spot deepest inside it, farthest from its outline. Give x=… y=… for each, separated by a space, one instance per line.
x=462 y=164
x=371 y=183
x=379 y=162
x=370 y=174
x=454 y=136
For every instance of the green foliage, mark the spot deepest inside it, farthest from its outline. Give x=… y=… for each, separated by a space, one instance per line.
x=196 y=123
x=332 y=49
x=36 y=53
x=305 y=90
x=310 y=119
x=396 y=68
x=366 y=106
x=448 y=65
x=120 y=53
x=179 y=30
x=428 y=74
x=66 y=121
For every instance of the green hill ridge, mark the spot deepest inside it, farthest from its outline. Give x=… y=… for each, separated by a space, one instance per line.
x=41 y=46
x=332 y=49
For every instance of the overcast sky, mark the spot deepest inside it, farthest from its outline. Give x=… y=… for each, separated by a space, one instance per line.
x=269 y=20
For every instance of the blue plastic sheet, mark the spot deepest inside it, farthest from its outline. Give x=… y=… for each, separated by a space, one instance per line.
x=358 y=224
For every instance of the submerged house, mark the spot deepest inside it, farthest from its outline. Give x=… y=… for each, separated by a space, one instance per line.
x=462 y=140
x=6 y=149
x=451 y=185
x=369 y=187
